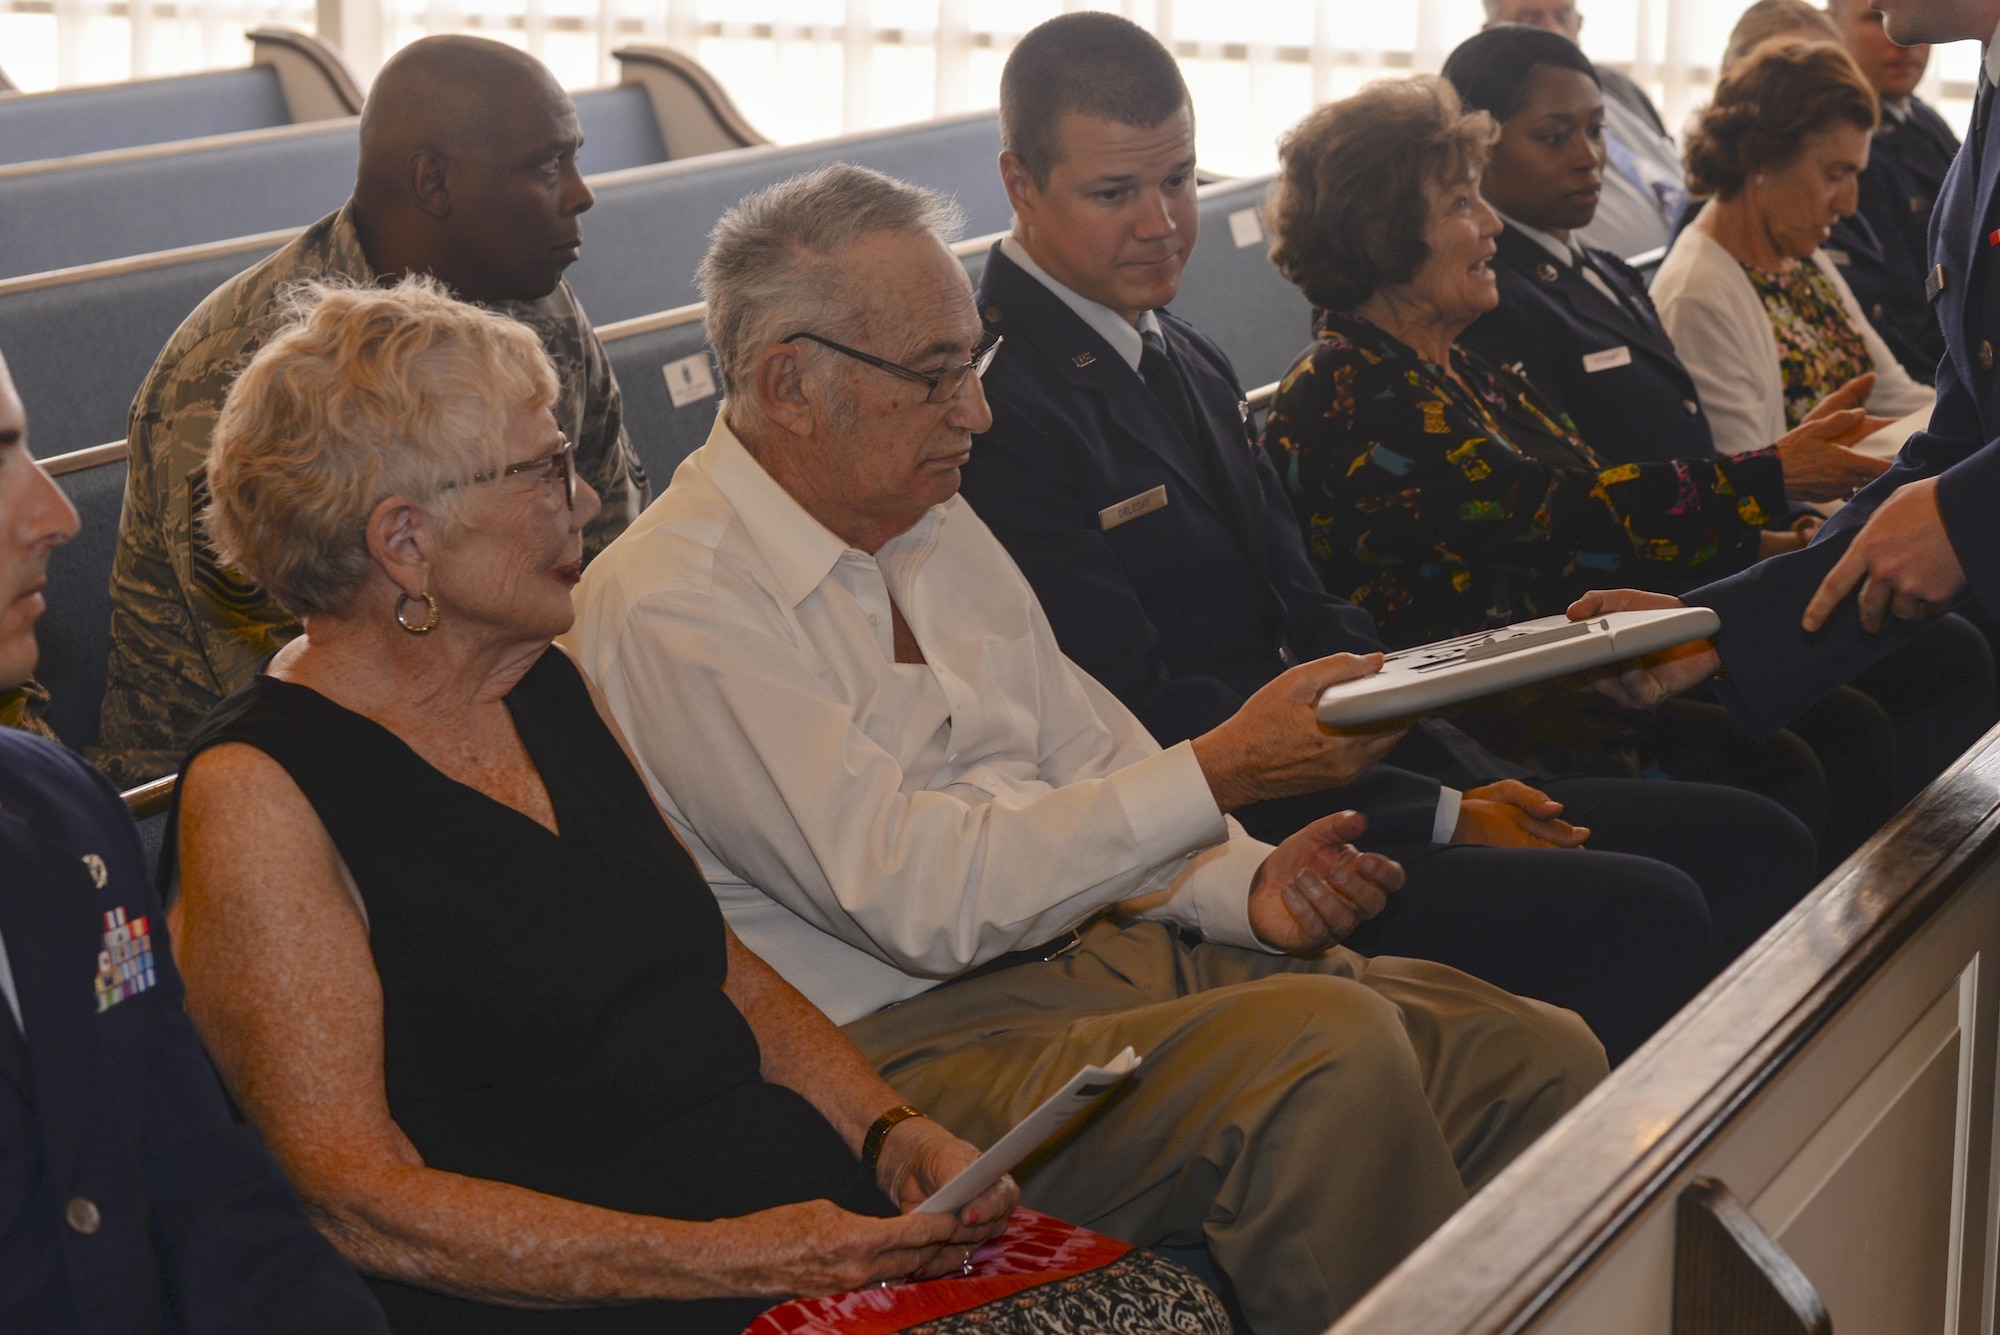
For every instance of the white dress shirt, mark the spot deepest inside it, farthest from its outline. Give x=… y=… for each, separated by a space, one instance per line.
x=872 y=828
x=1723 y=334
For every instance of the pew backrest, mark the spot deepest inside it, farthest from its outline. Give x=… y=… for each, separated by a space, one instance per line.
x=75 y=633
x=668 y=378
x=241 y=179
x=1231 y=292
x=649 y=229
x=107 y=206
x=620 y=130
x=80 y=344
x=293 y=78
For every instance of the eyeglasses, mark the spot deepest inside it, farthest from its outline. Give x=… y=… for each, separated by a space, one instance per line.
x=561 y=468
x=943 y=387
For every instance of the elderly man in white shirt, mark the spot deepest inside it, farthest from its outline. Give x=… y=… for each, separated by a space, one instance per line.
x=971 y=855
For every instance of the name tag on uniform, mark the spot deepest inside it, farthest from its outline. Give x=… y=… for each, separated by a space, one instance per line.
x=1840 y=258
x=1111 y=516
x=1606 y=360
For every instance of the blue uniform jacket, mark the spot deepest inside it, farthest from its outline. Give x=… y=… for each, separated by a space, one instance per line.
x=1639 y=404
x=1774 y=669
x=1188 y=608
x=1907 y=163
x=131 y=1203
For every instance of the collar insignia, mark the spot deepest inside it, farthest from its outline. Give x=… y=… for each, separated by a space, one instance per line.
x=1546 y=272
x=1083 y=359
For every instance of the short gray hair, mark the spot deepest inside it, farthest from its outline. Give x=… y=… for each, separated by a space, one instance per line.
x=772 y=269
x=367 y=392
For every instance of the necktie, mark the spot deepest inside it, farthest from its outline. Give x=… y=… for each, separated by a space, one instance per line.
x=1156 y=365
x=1163 y=377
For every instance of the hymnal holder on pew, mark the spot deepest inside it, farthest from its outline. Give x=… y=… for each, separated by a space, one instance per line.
x=1084 y=1088
x=1428 y=676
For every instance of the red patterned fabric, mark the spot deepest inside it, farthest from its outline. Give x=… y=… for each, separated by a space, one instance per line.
x=1034 y=1250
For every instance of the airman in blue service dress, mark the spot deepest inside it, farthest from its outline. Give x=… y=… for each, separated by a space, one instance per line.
x=131 y=1202
x=1163 y=550
x=1772 y=666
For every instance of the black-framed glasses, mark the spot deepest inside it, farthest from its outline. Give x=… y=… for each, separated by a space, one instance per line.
x=942 y=387
x=561 y=467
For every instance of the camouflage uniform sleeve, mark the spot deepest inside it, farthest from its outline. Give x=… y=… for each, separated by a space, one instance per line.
x=604 y=454
x=26 y=707
x=184 y=631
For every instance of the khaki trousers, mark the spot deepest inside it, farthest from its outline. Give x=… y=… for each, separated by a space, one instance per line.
x=1310 y=1120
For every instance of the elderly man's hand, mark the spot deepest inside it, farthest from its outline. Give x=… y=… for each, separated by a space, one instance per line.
x=1316 y=887
x=917 y=1159
x=1275 y=746
x=1510 y=814
x=1902 y=559
x=1643 y=683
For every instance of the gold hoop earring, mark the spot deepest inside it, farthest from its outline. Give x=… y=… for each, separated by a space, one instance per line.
x=430 y=613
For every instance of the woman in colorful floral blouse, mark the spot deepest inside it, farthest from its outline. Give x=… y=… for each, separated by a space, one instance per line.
x=1439 y=491
x=1759 y=312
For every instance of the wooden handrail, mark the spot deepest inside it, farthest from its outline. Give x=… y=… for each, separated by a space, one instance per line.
x=150 y=799
x=1505 y=1259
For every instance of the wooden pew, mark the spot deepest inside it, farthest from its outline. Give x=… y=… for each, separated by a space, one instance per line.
x=80 y=341
x=95 y=207
x=1810 y=1141
x=292 y=78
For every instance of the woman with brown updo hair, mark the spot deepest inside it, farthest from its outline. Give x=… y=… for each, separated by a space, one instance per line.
x=1760 y=314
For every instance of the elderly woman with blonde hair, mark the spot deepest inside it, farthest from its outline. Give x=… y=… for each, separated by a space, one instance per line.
x=448 y=955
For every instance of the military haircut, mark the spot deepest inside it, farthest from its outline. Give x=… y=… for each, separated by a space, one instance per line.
x=1090 y=63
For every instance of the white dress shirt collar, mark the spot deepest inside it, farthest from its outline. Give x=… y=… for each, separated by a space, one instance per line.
x=1562 y=250
x=799 y=549
x=1128 y=341
x=1993 y=56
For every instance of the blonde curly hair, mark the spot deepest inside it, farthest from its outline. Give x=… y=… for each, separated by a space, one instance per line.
x=368 y=392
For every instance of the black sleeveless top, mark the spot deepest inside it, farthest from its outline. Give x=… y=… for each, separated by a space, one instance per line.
x=552 y=1005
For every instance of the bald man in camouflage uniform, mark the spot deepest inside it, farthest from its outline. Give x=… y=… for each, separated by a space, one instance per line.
x=468 y=172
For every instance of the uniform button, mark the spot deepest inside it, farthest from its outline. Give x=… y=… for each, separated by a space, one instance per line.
x=1985 y=356
x=1690 y=407
x=874 y=620
x=81 y=1214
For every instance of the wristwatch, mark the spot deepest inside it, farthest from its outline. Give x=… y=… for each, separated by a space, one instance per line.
x=871 y=1144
